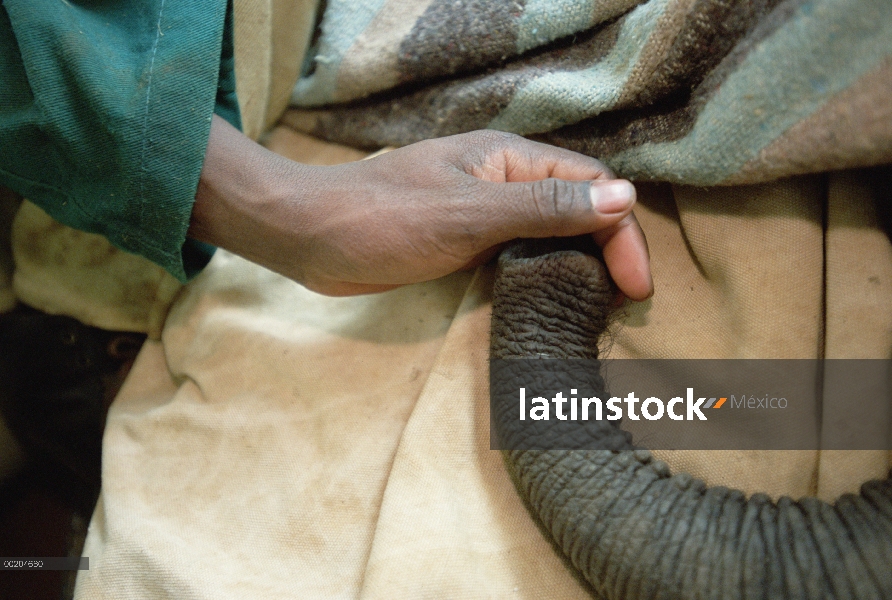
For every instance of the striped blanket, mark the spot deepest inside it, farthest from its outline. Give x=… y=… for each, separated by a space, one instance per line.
x=691 y=91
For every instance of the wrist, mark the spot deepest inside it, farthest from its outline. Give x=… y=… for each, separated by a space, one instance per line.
x=251 y=201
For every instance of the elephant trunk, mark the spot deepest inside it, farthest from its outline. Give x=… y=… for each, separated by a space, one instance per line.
x=633 y=529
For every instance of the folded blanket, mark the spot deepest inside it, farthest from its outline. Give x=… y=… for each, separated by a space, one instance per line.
x=690 y=91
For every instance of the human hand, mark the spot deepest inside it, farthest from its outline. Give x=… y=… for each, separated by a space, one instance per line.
x=413 y=214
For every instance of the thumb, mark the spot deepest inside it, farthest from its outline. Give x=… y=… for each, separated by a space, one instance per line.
x=560 y=208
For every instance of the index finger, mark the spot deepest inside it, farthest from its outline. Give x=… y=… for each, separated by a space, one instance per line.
x=541 y=161
x=511 y=158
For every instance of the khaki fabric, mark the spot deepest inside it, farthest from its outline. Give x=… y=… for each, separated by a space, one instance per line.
x=859 y=313
x=282 y=443
x=61 y=270
x=739 y=273
x=256 y=438
x=271 y=37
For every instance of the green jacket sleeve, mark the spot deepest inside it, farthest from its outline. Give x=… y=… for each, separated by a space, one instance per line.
x=105 y=112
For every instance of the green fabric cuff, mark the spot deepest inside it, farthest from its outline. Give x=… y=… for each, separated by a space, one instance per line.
x=196 y=255
x=105 y=112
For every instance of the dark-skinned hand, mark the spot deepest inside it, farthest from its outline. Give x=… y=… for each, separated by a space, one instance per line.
x=413 y=214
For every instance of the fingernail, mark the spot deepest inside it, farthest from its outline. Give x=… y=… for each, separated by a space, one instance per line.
x=611 y=197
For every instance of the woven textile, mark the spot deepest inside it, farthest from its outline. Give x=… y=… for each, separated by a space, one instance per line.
x=699 y=92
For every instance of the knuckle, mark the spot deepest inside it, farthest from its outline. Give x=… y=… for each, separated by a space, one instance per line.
x=493 y=142
x=557 y=200
x=493 y=137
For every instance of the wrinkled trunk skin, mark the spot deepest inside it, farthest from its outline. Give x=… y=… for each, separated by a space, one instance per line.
x=634 y=529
